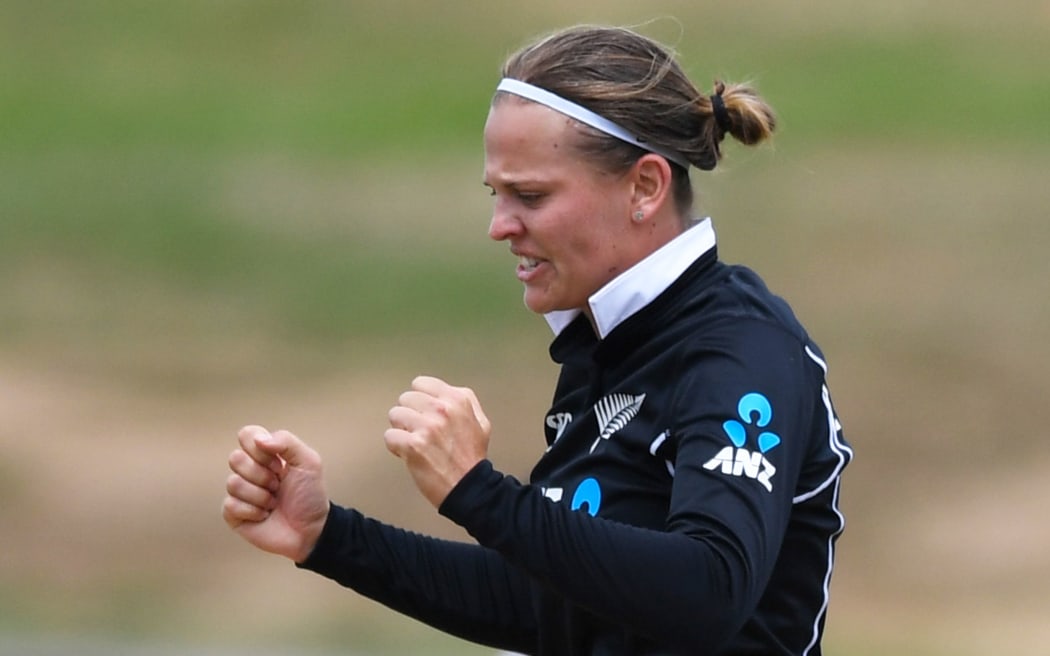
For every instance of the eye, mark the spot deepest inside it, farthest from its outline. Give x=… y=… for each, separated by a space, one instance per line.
x=530 y=198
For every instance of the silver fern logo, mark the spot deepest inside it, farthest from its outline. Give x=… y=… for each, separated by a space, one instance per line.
x=613 y=413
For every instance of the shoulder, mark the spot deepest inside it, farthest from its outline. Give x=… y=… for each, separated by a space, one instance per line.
x=744 y=338
x=742 y=294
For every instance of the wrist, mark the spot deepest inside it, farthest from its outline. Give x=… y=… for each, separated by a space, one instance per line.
x=312 y=534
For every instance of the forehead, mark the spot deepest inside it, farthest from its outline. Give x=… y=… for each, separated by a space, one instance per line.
x=525 y=137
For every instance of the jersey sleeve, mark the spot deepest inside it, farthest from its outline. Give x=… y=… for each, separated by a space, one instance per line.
x=463 y=589
x=691 y=586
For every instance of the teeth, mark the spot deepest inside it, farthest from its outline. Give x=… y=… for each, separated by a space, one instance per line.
x=528 y=262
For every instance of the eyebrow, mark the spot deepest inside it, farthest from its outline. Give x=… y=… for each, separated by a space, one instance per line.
x=513 y=183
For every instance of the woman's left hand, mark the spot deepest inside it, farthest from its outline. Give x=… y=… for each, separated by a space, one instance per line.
x=441 y=433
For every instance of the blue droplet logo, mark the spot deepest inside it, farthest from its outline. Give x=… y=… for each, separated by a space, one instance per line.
x=589 y=494
x=767 y=441
x=755 y=403
x=736 y=432
x=754 y=410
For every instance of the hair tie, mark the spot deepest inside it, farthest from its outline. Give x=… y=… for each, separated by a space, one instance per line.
x=718 y=108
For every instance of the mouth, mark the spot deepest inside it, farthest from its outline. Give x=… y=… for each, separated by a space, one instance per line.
x=527 y=263
x=530 y=268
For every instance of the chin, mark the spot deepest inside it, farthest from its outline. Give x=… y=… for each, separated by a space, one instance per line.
x=539 y=304
x=538 y=308
x=546 y=305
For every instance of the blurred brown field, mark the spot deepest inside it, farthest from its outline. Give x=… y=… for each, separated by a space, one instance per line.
x=934 y=323
x=920 y=268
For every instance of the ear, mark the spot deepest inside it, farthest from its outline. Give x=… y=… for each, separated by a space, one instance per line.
x=651 y=184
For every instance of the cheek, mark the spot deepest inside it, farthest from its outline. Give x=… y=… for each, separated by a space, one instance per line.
x=586 y=239
x=594 y=256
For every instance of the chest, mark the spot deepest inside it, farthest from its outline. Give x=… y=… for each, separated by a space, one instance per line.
x=609 y=449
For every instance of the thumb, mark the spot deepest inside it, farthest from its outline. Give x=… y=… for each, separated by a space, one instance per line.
x=289 y=448
x=479 y=413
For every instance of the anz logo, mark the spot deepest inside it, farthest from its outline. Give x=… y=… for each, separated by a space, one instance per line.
x=754 y=410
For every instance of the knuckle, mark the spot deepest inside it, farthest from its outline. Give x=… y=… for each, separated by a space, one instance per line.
x=443 y=408
x=239 y=488
x=417 y=446
x=432 y=427
x=390 y=438
x=229 y=511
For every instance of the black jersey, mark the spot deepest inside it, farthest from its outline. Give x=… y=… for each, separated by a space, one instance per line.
x=686 y=503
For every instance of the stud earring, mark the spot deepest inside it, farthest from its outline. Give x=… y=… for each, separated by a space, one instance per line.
x=639 y=216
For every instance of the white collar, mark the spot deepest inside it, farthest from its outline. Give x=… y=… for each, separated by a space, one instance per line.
x=638 y=286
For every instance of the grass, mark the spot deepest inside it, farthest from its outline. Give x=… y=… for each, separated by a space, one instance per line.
x=118 y=122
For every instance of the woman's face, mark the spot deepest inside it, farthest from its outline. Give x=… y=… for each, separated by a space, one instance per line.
x=567 y=222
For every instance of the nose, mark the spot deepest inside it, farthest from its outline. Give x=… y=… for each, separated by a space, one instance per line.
x=504 y=224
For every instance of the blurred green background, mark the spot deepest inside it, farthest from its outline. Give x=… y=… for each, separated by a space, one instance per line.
x=219 y=213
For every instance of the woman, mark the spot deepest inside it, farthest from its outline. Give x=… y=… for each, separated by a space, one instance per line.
x=687 y=503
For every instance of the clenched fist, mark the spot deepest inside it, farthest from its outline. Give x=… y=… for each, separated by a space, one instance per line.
x=275 y=498
x=440 y=432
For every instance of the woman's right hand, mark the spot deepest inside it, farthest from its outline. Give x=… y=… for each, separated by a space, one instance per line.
x=275 y=498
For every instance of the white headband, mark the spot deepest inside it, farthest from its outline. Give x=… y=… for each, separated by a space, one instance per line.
x=585 y=116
